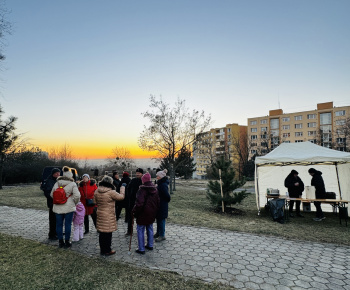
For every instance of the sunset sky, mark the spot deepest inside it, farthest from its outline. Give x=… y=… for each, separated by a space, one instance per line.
x=81 y=72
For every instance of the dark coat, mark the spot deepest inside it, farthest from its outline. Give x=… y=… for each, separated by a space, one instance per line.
x=122 y=203
x=318 y=182
x=47 y=186
x=294 y=191
x=131 y=190
x=164 y=196
x=116 y=182
x=147 y=204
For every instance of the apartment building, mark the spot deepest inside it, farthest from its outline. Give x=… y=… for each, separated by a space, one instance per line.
x=218 y=142
x=323 y=126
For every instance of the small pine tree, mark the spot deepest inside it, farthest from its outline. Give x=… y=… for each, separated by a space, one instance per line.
x=229 y=184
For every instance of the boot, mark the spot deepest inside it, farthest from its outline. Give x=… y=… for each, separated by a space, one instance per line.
x=67 y=245
x=61 y=244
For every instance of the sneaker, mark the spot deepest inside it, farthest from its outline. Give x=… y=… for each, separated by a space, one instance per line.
x=149 y=248
x=140 y=252
x=317 y=219
x=159 y=239
x=67 y=245
x=323 y=218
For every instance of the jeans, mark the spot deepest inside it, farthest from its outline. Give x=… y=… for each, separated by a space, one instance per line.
x=141 y=236
x=161 y=227
x=67 y=218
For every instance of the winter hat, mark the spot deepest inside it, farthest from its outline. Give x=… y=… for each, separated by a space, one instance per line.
x=54 y=170
x=107 y=179
x=146 y=177
x=125 y=174
x=312 y=170
x=139 y=170
x=161 y=173
x=87 y=175
x=67 y=172
x=294 y=172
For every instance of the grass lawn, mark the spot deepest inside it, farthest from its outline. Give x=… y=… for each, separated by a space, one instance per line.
x=26 y=264
x=189 y=206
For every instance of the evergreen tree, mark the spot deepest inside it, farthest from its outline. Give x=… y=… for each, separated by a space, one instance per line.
x=229 y=184
x=184 y=165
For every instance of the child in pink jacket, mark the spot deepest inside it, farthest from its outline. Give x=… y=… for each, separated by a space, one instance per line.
x=78 y=222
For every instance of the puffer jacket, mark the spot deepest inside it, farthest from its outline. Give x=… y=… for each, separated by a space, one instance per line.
x=71 y=188
x=79 y=214
x=105 y=197
x=87 y=190
x=147 y=204
x=164 y=196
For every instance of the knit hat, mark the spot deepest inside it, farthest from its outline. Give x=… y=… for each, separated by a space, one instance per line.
x=139 y=170
x=294 y=172
x=67 y=172
x=125 y=174
x=107 y=179
x=146 y=177
x=54 y=170
x=161 y=173
x=87 y=175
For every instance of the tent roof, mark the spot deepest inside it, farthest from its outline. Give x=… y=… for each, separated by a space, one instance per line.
x=302 y=153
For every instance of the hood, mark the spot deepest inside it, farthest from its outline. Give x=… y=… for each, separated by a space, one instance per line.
x=65 y=178
x=150 y=187
x=80 y=207
x=105 y=186
x=318 y=172
x=165 y=179
x=91 y=182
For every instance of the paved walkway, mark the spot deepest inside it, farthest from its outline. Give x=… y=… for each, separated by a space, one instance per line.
x=241 y=260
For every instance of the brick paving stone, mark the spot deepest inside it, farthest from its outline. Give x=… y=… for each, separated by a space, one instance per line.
x=302 y=284
x=318 y=285
x=251 y=285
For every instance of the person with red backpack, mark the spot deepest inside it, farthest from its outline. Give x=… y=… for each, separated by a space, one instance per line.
x=65 y=195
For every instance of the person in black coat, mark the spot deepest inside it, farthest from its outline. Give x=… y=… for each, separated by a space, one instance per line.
x=131 y=191
x=295 y=189
x=163 y=191
x=320 y=191
x=47 y=186
x=120 y=204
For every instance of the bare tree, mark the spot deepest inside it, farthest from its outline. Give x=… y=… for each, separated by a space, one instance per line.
x=171 y=130
x=241 y=147
x=121 y=159
x=343 y=136
x=61 y=154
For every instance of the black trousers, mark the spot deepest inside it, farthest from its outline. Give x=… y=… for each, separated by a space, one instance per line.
x=319 y=212
x=105 y=240
x=52 y=223
x=297 y=206
x=86 y=220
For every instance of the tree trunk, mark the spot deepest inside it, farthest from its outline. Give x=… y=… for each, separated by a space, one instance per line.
x=1 y=169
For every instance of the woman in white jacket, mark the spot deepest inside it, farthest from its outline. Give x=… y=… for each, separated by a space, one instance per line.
x=64 y=212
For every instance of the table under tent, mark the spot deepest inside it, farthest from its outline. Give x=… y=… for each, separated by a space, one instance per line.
x=272 y=169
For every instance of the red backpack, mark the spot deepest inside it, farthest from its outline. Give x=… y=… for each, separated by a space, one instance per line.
x=59 y=196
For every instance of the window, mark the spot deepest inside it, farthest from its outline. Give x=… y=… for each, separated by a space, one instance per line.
x=325 y=118
x=263 y=121
x=298 y=134
x=341 y=140
x=275 y=123
x=311 y=116
x=285 y=119
x=298 y=126
x=340 y=113
x=264 y=144
x=298 y=141
x=252 y=122
x=263 y=129
x=229 y=130
x=264 y=136
x=254 y=130
x=253 y=137
x=285 y=135
x=286 y=127
x=311 y=125
x=298 y=118
x=312 y=141
x=254 y=144
x=311 y=133
x=286 y=141
x=326 y=128
x=340 y=122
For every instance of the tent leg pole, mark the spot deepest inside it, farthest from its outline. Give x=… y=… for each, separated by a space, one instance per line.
x=336 y=169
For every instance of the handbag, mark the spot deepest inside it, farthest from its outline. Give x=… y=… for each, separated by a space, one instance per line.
x=89 y=202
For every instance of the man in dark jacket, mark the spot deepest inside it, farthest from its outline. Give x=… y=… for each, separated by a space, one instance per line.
x=295 y=189
x=131 y=191
x=145 y=210
x=47 y=186
x=320 y=191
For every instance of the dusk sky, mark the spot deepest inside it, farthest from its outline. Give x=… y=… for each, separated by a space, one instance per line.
x=81 y=72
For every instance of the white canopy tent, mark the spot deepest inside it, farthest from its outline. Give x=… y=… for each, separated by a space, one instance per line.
x=272 y=169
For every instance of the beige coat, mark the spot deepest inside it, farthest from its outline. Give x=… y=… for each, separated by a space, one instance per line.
x=105 y=197
x=70 y=187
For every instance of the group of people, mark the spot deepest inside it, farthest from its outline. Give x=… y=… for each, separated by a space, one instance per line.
x=296 y=187
x=141 y=198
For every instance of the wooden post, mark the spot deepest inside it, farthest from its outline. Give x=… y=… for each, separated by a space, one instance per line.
x=222 y=194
